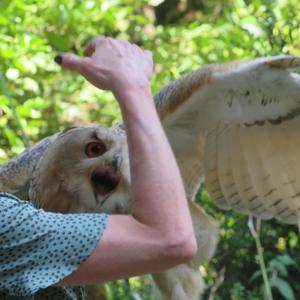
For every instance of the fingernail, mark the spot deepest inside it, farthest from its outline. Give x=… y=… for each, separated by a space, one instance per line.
x=58 y=59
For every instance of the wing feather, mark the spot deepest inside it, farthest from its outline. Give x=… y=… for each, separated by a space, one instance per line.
x=224 y=165
x=286 y=141
x=16 y=174
x=264 y=170
x=257 y=153
x=251 y=112
x=211 y=168
x=239 y=170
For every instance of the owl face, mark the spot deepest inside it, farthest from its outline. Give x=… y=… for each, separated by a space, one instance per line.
x=85 y=169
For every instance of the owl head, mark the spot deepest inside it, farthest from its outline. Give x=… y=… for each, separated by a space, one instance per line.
x=85 y=169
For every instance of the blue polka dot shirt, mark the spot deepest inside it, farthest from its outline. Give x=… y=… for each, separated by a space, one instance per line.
x=38 y=249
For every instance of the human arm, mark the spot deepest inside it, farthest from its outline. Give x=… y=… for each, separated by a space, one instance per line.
x=159 y=232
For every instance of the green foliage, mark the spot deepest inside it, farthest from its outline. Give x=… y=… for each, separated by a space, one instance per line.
x=236 y=253
x=182 y=35
x=132 y=289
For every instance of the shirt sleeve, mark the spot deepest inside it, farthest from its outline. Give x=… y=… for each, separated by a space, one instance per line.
x=38 y=248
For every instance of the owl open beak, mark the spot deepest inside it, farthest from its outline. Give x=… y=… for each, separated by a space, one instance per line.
x=104 y=183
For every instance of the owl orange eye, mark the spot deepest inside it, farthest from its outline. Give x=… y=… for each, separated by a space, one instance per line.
x=94 y=149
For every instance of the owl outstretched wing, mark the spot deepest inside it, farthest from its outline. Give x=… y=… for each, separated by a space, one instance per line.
x=238 y=124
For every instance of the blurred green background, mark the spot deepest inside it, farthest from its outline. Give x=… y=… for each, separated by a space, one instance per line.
x=183 y=35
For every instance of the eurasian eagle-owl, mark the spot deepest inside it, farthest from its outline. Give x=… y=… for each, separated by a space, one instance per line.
x=234 y=124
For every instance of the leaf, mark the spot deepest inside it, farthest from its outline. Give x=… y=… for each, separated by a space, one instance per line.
x=255 y=275
x=283 y=287
x=286 y=259
x=4 y=4
x=59 y=42
x=279 y=266
x=251 y=25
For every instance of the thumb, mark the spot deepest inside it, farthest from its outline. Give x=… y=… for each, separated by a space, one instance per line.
x=69 y=61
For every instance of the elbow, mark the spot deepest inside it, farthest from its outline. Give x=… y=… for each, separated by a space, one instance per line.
x=186 y=249
x=181 y=250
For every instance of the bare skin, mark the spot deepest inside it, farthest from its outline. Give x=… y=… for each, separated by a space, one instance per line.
x=159 y=233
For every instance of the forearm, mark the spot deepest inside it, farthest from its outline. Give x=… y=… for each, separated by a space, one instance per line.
x=158 y=194
x=159 y=233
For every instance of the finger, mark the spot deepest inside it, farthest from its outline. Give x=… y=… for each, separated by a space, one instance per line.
x=74 y=62
x=91 y=46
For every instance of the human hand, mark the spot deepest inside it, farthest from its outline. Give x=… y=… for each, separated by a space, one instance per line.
x=111 y=64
